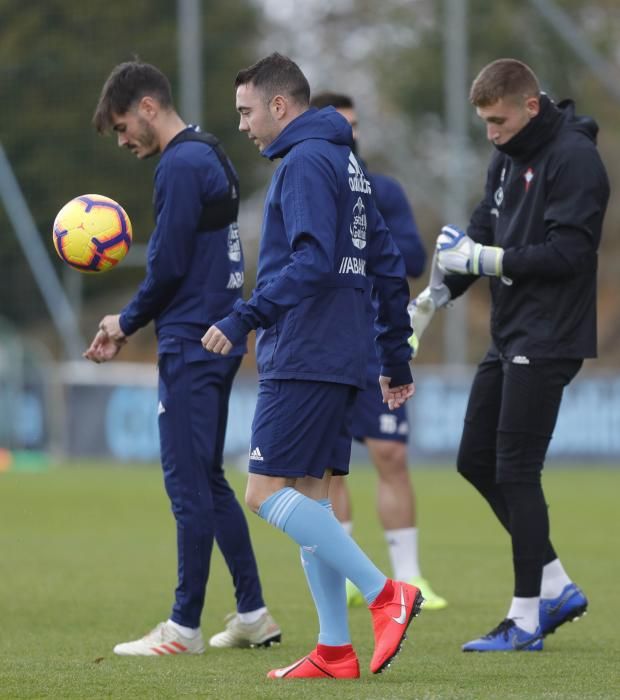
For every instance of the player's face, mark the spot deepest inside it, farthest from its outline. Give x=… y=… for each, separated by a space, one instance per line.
x=135 y=133
x=506 y=117
x=256 y=118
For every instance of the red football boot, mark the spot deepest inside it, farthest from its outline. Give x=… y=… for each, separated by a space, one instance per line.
x=341 y=663
x=392 y=612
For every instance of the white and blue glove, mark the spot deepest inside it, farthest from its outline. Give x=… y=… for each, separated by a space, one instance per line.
x=422 y=309
x=457 y=253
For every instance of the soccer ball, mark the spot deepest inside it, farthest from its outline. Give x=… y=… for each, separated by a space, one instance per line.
x=92 y=233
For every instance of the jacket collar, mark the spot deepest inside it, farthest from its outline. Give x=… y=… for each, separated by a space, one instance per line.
x=535 y=134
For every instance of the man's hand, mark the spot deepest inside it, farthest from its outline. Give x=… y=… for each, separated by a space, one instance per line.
x=422 y=309
x=111 y=326
x=103 y=348
x=458 y=253
x=215 y=341
x=395 y=396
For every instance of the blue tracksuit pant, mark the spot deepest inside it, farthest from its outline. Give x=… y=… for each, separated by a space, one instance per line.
x=193 y=411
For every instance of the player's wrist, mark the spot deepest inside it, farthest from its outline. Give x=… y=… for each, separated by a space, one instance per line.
x=233 y=327
x=440 y=295
x=125 y=327
x=399 y=374
x=489 y=261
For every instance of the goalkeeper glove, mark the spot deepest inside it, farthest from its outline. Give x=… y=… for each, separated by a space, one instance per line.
x=422 y=309
x=458 y=253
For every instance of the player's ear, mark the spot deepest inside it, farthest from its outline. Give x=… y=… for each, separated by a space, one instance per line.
x=532 y=106
x=278 y=106
x=148 y=107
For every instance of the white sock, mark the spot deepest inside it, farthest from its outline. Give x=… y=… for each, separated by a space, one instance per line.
x=524 y=611
x=554 y=579
x=403 y=550
x=189 y=632
x=249 y=617
x=348 y=527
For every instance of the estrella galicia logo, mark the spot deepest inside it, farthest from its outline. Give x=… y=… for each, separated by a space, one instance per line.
x=358 y=224
x=357 y=180
x=234 y=244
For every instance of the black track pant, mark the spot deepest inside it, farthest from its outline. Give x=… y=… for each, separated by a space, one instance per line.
x=510 y=418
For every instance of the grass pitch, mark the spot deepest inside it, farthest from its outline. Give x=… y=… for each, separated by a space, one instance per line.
x=87 y=559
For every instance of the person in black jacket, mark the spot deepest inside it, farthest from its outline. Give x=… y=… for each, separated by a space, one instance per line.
x=535 y=234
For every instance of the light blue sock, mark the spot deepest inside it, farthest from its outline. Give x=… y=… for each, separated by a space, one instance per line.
x=328 y=588
x=317 y=531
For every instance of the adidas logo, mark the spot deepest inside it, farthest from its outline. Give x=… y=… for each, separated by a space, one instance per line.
x=357 y=179
x=255 y=455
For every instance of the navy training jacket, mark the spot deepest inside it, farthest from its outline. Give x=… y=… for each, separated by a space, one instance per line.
x=193 y=277
x=322 y=236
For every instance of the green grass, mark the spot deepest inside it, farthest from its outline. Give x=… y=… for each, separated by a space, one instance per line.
x=87 y=560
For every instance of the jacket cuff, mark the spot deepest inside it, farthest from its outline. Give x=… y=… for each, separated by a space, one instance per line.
x=398 y=374
x=233 y=328
x=125 y=325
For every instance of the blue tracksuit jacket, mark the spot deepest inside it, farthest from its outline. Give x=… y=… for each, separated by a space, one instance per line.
x=193 y=278
x=322 y=236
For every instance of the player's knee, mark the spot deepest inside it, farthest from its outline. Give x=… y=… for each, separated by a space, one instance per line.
x=466 y=465
x=258 y=491
x=194 y=515
x=519 y=470
x=252 y=500
x=474 y=462
x=390 y=458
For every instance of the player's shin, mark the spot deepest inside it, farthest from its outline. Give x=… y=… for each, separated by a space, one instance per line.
x=329 y=594
x=312 y=527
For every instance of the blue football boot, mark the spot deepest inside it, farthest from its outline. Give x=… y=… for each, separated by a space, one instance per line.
x=570 y=605
x=507 y=637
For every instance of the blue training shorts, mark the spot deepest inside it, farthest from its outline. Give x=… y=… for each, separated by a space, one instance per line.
x=301 y=428
x=371 y=418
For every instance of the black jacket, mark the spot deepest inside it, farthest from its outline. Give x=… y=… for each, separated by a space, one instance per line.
x=545 y=198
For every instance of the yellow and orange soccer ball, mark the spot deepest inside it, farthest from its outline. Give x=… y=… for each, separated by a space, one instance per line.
x=92 y=233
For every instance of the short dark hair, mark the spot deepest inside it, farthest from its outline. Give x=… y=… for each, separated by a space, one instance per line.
x=504 y=78
x=338 y=100
x=276 y=75
x=128 y=83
